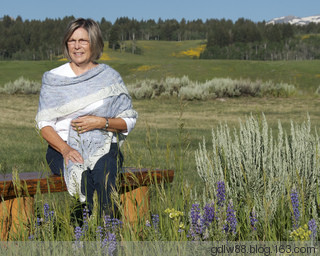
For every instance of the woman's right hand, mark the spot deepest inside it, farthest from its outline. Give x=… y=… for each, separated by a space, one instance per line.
x=71 y=154
x=55 y=141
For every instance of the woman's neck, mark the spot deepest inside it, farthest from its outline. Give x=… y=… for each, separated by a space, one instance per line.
x=80 y=69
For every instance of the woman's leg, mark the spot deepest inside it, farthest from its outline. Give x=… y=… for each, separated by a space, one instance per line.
x=55 y=161
x=104 y=175
x=87 y=188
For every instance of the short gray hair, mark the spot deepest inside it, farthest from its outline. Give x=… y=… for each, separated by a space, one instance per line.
x=95 y=37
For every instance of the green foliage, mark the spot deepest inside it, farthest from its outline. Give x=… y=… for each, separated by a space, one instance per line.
x=293 y=49
x=31 y=40
x=257 y=41
x=114 y=38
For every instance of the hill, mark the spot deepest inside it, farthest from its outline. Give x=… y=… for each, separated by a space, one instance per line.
x=160 y=59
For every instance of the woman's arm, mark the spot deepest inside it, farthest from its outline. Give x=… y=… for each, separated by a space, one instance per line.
x=55 y=141
x=87 y=123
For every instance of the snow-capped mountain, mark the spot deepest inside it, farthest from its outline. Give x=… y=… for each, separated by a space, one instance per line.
x=295 y=20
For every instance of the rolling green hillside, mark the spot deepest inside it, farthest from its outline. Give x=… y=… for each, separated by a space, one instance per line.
x=160 y=59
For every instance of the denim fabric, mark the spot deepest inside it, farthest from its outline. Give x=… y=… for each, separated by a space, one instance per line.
x=107 y=165
x=103 y=179
x=55 y=161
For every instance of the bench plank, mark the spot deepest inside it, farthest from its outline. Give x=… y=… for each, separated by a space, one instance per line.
x=31 y=182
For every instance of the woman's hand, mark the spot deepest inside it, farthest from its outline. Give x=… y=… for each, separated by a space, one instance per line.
x=55 y=141
x=71 y=154
x=87 y=123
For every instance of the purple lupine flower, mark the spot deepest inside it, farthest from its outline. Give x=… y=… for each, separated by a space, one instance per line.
x=208 y=214
x=195 y=214
x=111 y=224
x=155 y=221
x=48 y=215
x=221 y=193
x=46 y=212
x=231 y=221
x=100 y=232
x=110 y=243
x=295 y=206
x=313 y=228
x=196 y=227
x=39 y=221
x=85 y=226
x=253 y=219
x=78 y=233
x=107 y=222
x=116 y=224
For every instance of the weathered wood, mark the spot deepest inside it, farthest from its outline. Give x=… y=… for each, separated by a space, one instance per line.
x=135 y=204
x=15 y=217
x=31 y=182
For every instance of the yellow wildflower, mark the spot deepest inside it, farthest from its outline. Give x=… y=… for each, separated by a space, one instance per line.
x=105 y=56
x=145 y=68
x=173 y=213
x=192 y=52
x=301 y=234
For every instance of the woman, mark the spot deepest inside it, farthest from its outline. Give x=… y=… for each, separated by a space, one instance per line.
x=84 y=114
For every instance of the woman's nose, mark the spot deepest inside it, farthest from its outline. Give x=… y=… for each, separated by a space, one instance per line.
x=77 y=44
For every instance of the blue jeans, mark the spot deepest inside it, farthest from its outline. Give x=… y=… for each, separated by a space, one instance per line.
x=94 y=179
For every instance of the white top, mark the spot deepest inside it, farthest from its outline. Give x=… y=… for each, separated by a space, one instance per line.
x=62 y=125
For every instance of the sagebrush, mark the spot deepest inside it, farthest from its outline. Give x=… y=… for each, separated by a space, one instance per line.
x=186 y=89
x=261 y=172
x=21 y=86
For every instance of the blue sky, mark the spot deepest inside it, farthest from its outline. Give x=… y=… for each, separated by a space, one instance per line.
x=255 y=10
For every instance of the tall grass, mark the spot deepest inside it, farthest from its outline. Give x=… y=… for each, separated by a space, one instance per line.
x=249 y=183
x=261 y=172
x=166 y=136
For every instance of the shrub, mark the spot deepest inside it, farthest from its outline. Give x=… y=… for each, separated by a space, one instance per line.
x=21 y=86
x=186 y=89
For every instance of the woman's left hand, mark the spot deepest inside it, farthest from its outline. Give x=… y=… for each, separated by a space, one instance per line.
x=87 y=123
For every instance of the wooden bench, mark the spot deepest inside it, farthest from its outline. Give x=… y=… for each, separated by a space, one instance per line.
x=17 y=194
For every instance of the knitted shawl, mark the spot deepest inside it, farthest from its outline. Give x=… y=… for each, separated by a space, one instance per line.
x=61 y=96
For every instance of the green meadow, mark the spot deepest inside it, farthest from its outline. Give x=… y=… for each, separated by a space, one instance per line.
x=169 y=130
x=162 y=118
x=161 y=59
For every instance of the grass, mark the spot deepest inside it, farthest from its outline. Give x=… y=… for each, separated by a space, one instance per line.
x=159 y=121
x=164 y=59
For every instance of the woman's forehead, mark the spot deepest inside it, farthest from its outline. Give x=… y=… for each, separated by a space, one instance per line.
x=80 y=33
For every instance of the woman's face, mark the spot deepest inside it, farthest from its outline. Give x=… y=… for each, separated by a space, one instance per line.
x=79 y=47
